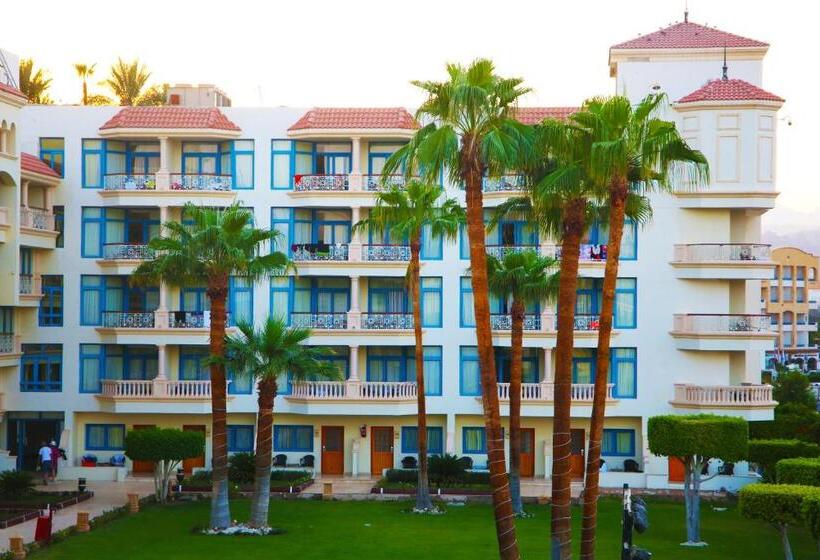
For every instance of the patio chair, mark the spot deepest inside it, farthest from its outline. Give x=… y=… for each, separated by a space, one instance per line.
x=307 y=461
x=117 y=460
x=466 y=462
x=409 y=462
x=631 y=465
x=280 y=460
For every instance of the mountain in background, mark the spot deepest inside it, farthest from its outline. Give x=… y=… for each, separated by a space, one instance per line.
x=785 y=227
x=807 y=240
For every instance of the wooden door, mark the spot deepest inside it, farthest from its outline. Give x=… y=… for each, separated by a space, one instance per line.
x=381 y=449
x=142 y=467
x=577 y=455
x=333 y=450
x=676 y=470
x=189 y=465
x=527 y=452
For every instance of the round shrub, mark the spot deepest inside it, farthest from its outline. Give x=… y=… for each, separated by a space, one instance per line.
x=163 y=444
x=706 y=435
x=767 y=452
x=445 y=468
x=241 y=468
x=799 y=471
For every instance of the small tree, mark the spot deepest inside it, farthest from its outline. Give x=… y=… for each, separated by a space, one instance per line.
x=811 y=516
x=765 y=453
x=166 y=448
x=778 y=504
x=694 y=440
x=799 y=471
x=792 y=387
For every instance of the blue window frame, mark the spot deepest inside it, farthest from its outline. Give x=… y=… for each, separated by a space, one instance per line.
x=201 y=158
x=193 y=363
x=398 y=363
x=237 y=158
x=240 y=300
x=6 y=320
x=410 y=441
x=194 y=299
x=299 y=226
x=497 y=306
x=598 y=234
x=105 y=437
x=289 y=158
x=93 y=164
x=50 y=313
x=470 y=376
x=52 y=151
x=431 y=301
x=625 y=312
x=26 y=261
x=293 y=438
x=623 y=370
x=473 y=440
x=41 y=368
x=99 y=294
x=390 y=295
x=337 y=356
x=240 y=438
x=110 y=226
x=289 y=295
x=510 y=232
x=101 y=158
x=432 y=248
x=100 y=362
x=618 y=443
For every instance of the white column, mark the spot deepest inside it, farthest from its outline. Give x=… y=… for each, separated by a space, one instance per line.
x=354 y=363
x=548 y=373
x=47 y=196
x=161 y=362
x=164 y=154
x=356 y=164
x=24 y=194
x=451 y=434
x=3 y=141
x=163 y=214
x=354 y=248
x=354 y=315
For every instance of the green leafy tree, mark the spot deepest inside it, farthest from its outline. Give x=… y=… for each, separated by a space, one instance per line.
x=800 y=470
x=765 y=453
x=266 y=354
x=811 y=516
x=694 y=440
x=207 y=248
x=34 y=83
x=471 y=133
x=405 y=213
x=522 y=279
x=129 y=83
x=166 y=448
x=793 y=388
x=778 y=504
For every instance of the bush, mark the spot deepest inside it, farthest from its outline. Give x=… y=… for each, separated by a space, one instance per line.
x=290 y=476
x=200 y=478
x=402 y=476
x=811 y=515
x=767 y=452
x=163 y=444
x=241 y=468
x=705 y=435
x=15 y=484
x=793 y=387
x=445 y=468
x=463 y=478
x=778 y=504
x=799 y=471
x=791 y=421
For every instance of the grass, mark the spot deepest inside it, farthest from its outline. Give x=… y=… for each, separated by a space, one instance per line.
x=356 y=530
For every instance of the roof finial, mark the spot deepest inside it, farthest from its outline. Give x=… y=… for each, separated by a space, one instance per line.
x=725 y=67
x=686 y=12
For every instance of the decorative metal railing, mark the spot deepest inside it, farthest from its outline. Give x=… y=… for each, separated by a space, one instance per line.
x=501 y=251
x=200 y=182
x=128 y=319
x=37 y=219
x=717 y=252
x=30 y=284
x=7 y=345
x=321 y=182
x=587 y=252
x=129 y=182
x=504 y=183
x=377 y=182
x=319 y=252
x=333 y=321
x=374 y=252
x=387 y=321
x=503 y=321
x=587 y=322
x=127 y=251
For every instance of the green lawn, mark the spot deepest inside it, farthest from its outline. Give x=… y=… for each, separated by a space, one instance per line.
x=376 y=530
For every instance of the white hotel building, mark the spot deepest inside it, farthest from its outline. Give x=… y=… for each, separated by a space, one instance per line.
x=85 y=357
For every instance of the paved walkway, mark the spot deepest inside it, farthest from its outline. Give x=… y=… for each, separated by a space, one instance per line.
x=107 y=496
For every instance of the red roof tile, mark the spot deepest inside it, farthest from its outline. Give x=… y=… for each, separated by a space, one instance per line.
x=170 y=117
x=33 y=164
x=534 y=115
x=688 y=35
x=729 y=90
x=363 y=117
x=12 y=90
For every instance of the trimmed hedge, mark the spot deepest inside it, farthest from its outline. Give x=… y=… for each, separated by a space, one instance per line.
x=767 y=452
x=707 y=435
x=410 y=477
x=163 y=444
x=811 y=515
x=778 y=504
x=799 y=470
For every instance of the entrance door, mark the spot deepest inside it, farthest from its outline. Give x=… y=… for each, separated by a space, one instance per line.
x=527 y=452
x=143 y=467
x=676 y=470
x=333 y=450
x=196 y=462
x=26 y=436
x=576 y=459
x=381 y=449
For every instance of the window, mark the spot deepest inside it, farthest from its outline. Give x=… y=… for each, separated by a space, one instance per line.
x=193 y=363
x=599 y=235
x=473 y=441
x=470 y=378
x=470 y=383
x=6 y=320
x=399 y=364
x=51 y=304
x=240 y=438
x=280 y=221
x=41 y=368
x=336 y=356
x=93 y=165
x=105 y=437
x=410 y=441
x=293 y=438
x=101 y=294
x=623 y=369
x=618 y=443
x=237 y=160
x=100 y=362
x=497 y=306
x=106 y=227
x=289 y=158
x=773 y=293
x=294 y=298
x=239 y=384
x=590 y=294
x=431 y=302
x=59 y=225
x=509 y=232
x=52 y=151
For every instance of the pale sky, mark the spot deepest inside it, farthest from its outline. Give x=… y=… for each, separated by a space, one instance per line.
x=363 y=53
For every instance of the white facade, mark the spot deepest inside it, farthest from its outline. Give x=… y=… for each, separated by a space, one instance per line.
x=698 y=337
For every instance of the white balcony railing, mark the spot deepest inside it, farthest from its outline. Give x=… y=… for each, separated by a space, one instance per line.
x=387 y=390
x=504 y=183
x=129 y=182
x=128 y=319
x=366 y=390
x=319 y=252
x=545 y=392
x=156 y=389
x=332 y=321
x=387 y=321
x=200 y=182
x=723 y=252
x=722 y=323
x=33 y=218
x=31 y=284
x=127 y=251
x=724 y=395
x=385 y=253
x=503 y=321
x=501 y=251
x=319 y=390
x=321 y=182
x=377 y=182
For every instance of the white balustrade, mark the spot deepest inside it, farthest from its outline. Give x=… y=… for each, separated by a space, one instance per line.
x=721 y=323
x=37 y=219
x=161 y=389
x=724 y=395
x=369 y=390
x=545 y=392
x=718 y=252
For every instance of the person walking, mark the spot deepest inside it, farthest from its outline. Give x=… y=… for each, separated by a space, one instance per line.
x=45 y=461
x=55 y=458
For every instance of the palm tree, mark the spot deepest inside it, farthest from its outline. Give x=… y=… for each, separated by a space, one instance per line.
x=34 y=84
x=520 y=277
x=405 y=213
x=472 y=132
x=128 y=81
x=215 y=244
x=84 y=72
x=632 y=150
x=266 y=354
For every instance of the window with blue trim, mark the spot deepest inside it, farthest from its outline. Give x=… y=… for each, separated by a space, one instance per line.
x=119 y=164
x=618 y=443
x=240 y=300
x=7 y=321
x=102 y=362
x=52 y=151
x=293 y=438
x=598 y=234
x=290 y=158
x=50 y=313
x=470 y=375
x=398 y=363
x=391 y=295
x=432 y=247
x=107 y=231
x=41 y=368
x=625 y=312
x=512 y=231
x=101 y=294
x=26 y=261
x=498 y=306
x=410 y=440
x=296 y=299
x=623 y=370
x=473 y=440
x=193 y=363
x=431 y=301
x=105 y=437
x=337 y=356
x=240 y=438
x=238 y=159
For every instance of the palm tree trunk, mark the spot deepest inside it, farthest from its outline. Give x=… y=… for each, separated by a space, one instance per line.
x=596 y=430
x=423 y=502
x=264 y=448
x=220 y=508
x=85 y=92
x=560 y=522
x=517 y=350
x=472 y=171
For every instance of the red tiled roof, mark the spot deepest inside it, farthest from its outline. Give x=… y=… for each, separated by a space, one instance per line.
x=12 y=90
x=534 y=115
x=364 y=117
x=729 y=90
x=33 y=164
x=688 y=35
x=170 y=117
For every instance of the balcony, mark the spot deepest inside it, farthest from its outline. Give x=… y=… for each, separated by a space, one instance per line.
x=37 y=228
x=321 y=183
x=367 y=391
x=588 y=252
x=144 y=396
x=504 y=184
x=386 y=321
x=319 y=252
x=201 y=182
x=718 y=261
x=10 y=350
x=536 y=393
x=128 y=319
x=127 y=252
x=587 y=323
x=717 y=331
x=501 y=251
x=385 y=253
x=32 y=218
x=329 y=321
x=167 y=189
x=31 y=289
x=726 y=398
x=375 y=183
x=129 y=182
x=503 y=321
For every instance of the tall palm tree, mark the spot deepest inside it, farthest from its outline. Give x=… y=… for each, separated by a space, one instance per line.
x=215 y=244
x=472 y=132
x=266 y=354
x=633 y=150
x=84 y=72
x=522 y=278
x=405 y=213
x=34 y=84
x=129 y=80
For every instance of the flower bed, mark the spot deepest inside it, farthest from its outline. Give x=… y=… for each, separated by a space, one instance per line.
x=14 y=512
x=462 y=482
x=288 y=482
